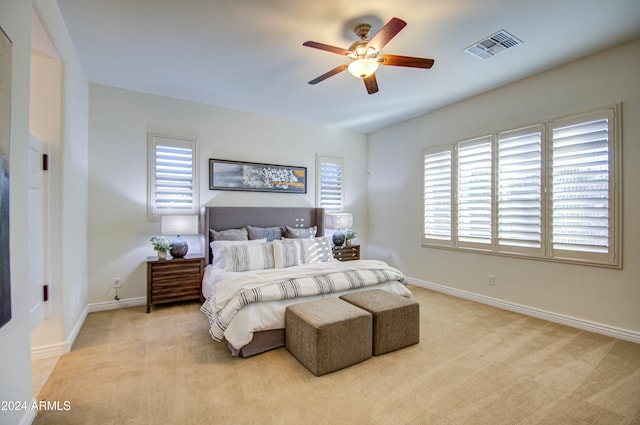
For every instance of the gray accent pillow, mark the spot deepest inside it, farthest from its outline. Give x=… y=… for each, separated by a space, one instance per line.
x=228 y=235
x=268 y=233
x=299 y=233
x=242 y=258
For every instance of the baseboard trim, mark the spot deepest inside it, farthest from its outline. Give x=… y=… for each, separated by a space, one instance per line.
x=114 y=305
x=60 y=348
x=29 y=415
x=47 y=351
x=76 y=330
x=574 y=322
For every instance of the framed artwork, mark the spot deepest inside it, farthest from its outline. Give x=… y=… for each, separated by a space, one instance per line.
x=256 y=177
x=5 y=123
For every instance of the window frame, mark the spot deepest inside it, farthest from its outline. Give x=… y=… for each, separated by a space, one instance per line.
x=157 y=139
x=610 y=259
x=320 y=159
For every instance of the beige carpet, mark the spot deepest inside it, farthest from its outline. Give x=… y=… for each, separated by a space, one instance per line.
x=474 y=364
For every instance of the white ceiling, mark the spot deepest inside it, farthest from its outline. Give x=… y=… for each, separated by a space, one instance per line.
x=248 y=54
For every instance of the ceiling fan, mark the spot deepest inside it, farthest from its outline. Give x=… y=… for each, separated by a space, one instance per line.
x=365 y=54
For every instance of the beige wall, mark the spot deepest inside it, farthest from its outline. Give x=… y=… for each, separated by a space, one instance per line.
x=604 y=296
x=119 y=122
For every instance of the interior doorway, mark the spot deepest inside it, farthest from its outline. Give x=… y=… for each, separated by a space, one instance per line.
x=45 y=126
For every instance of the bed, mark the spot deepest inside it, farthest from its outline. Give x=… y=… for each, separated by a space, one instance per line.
x=261 y=259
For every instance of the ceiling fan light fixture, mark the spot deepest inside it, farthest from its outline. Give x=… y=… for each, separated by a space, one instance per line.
x=363 y=68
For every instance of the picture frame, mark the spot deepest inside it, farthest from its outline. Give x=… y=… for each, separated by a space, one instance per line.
x=256 y=177
x=5 y=135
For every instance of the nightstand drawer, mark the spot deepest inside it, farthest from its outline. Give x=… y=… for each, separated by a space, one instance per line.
x=347 y=253
x=162 y=278
x=170 y=268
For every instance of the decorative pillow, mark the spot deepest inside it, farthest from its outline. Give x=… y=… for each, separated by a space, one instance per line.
x=217 y=250
x=286 y=253
x=298 y=232
x=268 y=233
x=228 y=235
x=242 y=258
x=317 y=250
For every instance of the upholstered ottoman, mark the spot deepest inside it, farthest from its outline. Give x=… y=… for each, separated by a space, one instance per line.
x=396 y=319
x=328 y=334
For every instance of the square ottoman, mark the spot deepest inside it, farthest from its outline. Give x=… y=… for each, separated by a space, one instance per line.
x=328 y=334
x=396 y=319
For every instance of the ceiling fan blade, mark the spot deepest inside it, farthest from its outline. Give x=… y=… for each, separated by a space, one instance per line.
x=331 y=73
x=326 y=47
x=409 y=61
x=386 y=33
x=371 y=83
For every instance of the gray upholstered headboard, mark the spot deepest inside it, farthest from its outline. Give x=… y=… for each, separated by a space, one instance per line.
x=223 y=218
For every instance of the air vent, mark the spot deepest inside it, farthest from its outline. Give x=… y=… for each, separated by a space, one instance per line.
x=492 y=45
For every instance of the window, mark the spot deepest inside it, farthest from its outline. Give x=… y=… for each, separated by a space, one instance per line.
x=474 y=192
x=544 y=191
x=581 y=190
x=438 y=196
x=173 y=187
x=330 y=184
x=519 y=190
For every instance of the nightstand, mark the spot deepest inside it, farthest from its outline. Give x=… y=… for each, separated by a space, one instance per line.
x=346 y=253
x=178 y=279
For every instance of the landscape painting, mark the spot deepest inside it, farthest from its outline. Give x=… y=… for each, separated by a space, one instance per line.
x=5 y=123
x=235 y=175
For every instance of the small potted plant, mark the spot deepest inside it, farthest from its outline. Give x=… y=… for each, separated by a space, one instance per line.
x=348 y=235
x=162 y=245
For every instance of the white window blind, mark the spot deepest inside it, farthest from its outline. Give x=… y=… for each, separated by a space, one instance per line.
x=438 y=196
x=547 y=191
x=172 y=176
x=520 y=190
x=580 y=173
x=330 y=184
x=474 y=191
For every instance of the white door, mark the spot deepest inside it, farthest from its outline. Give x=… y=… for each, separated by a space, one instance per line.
x=36 y=229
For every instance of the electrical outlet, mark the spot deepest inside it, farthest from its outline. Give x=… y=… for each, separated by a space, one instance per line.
x=491 y=280
x=117 y=282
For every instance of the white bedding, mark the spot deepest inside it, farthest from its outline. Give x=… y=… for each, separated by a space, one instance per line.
x=238 y=320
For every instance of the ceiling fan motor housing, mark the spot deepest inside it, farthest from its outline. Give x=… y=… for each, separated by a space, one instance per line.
x=362 y=30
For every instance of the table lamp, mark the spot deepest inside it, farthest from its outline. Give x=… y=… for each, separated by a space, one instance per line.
x=179 y=225
x=339 y=221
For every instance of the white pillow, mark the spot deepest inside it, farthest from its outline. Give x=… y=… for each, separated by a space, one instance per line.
x=242 y=258
x=217 y=249
x=317 y=250
x=286 y=253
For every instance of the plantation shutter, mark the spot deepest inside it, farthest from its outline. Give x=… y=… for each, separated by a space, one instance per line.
x=438 y=197
x=580 y=198
x=330 y=184
x=474 y=192
x=172 y=176
x=519 y=187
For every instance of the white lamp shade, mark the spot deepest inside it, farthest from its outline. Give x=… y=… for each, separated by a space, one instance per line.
x=179 y=225
x=339 y=221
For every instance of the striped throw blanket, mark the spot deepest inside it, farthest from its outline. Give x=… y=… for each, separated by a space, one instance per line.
x=337 y=277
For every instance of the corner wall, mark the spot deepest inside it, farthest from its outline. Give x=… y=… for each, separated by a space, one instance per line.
x=604 y=296
x=70 y=186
